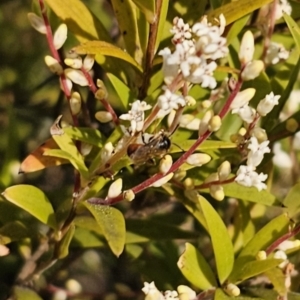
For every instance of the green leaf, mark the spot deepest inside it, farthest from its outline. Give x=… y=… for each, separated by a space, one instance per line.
x=196 y=269
x=13 y=231
x=79 y=19
x=125 y=94
x=221 y=242
x=294 y=29
x=291 y=201
x=236 y=28
x=147 y=7
x=220 y=295
x=161 y=22
x=112 y=224
x=253 y=268
x=250 y=194
x=63 y=250
x=86 y=135
x=236 y=10
x=125 y=12
x=86 y=239
x=277 y=278
x=106 y=49
x=23 y=293
x=32 y=200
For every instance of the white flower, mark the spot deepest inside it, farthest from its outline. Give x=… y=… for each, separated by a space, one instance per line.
x=180 y=30
x=252 y=70
x=281 y=7
x=136 y=115
x=248 y=177
x=76 y=76
x=246 y=113
x=247 y=48
x=151 y=292
x=169 y=101
x=281 y=159
x=60 y=36
x=171 y=295
x=257 y=151
x=275 y=53
x=267 y=104
x=186 y=292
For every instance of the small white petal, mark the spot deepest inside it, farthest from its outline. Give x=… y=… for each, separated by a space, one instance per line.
x=128 y=195
x=88 y=62
x=242 y=98
x=186 y=292
x=217 y=192
x=163 y=180
x=60 y=36
x=76 y=76
x=214 y=123
x=75 y=103
x=252 y=70
x=37 y=23
x=261 y=255
x=115 y=188
x=75 y=63
x=247 y=47
x=165 y=164
x=103 y=116
x=198 y=159
x=232 y=290
x=224 y=170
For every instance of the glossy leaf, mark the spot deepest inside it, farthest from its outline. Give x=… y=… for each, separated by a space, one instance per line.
x=24 y=293
x=196 y=269
x=161 y=22
x=277 y=278
x=250 y=194
x=13 y=231
x=112 y=224
x=37 y=161
x=86 y=239
x=63 y=250
x=147 y=7
x=253 y=268
x=125 y=12
x=236 y=28
x=236 y=10
x=79 y=19
x=106 y=49
x=32 y=200
x=86 y=135
x=221 y=242
x=294 y=29
x=291 y=201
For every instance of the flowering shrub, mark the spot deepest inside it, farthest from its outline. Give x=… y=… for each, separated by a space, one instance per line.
x=185 y=125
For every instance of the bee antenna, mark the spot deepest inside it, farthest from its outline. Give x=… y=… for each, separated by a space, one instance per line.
x=178 y=147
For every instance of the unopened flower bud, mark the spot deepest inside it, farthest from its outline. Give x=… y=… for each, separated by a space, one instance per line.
x=260 y=134
x=75 y=63
x=232 y=290
x=75 y=103
x=165 y=164
x=261 y=255
x=37 y=23
x=292 y=125
x=53 y=65
x=190 y=101
x=189 y=183
x=88 y=62
x=73 y=286
x=224 y=170
x=206 y=104
x=198 y=159
x=242 y=98
x=252 y=70
x=287 y=245
x=85 y=148
x=102 y=91
x=281 y=255
x=242 y=131
x=180 y=175
x=115 y=188
x=103 y=116
x=217 y=192
x=203 y=127
x=247 y=47
x=163 y=180
x=76 y=76
x=214 y=123
x=128 y=195
x=186 y=293
x=60 y=36
x=186 y=119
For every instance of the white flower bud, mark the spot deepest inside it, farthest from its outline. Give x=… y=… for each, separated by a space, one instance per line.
x=103 y=116
x=186 y=293
x=281 y=255
x=214 y=123
x=128 y=195
x=75 y=63
x=267 y=104
x=198 y=159
x=232 y=290
x=76 y=76
x=60 y=36
x=73 y=286
x=186 y=119
x=224 y=170
x=88 y=62
x=190 y=101
x=203 y=127
x=287 y=245
x=261 y=255
x=165 y=164
x=252 y=70
x=189 y=183
x=68 y=82
x=194 y=124
x=217 y=192
x=53 y=65
x=75 y=103
x=163 y=180
x=206 y=104
x=115 y=188
x=260 y=134
x=180 y=175
x=212 y=177
x=37 y=23
x=85 y=149
x=247 y=47
x=171 y=117
x=242 y=98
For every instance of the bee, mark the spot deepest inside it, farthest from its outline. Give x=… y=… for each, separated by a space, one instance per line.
x=156 y=147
